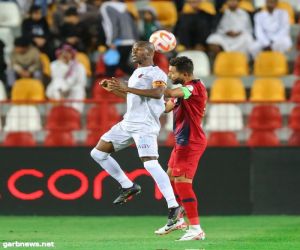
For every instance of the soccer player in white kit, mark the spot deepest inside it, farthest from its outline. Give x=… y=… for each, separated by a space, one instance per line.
x=140 y=125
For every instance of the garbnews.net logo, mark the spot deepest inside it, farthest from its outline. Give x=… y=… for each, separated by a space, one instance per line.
x=15 y=244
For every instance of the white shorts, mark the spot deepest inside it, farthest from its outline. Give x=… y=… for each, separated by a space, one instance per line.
x=121 y=138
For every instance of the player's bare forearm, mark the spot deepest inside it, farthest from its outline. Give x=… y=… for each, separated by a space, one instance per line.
x=119 y=93
x=177 y=93
x=169 y=106
x=155 y=93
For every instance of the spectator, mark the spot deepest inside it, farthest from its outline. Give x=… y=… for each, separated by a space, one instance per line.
x=120 y=31
x=68 y=78
x=36 y=28
x=193 y=28
x=58 y=15
x=148 y=23
x=25 y=61
x=234 y=32
x=272 y=29
x=73 y=31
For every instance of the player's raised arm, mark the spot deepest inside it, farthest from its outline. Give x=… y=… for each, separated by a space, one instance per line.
x=156 y=92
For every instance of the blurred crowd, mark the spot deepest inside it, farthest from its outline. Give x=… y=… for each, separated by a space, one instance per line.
x=63 y=42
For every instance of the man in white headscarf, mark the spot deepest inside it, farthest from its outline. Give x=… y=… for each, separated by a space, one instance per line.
x=68 y=78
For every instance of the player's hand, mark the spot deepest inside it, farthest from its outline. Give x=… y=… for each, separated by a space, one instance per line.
x=116 y=84
x=104 y=84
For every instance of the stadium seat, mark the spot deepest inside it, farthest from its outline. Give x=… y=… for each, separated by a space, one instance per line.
x=205 y=6
x=100 y=69
x=161 y=61
x=102 y=116
x=295 y=92
x=3 y=95
x=267 y=90
x=7 y=37
x=19 y=139
x=294 y=139
x=263 y=138
x=284 y=5
x=270 y=64
x=45 y=61
x=297 y=66
x=224 y=117
x=200 y=61
x=170 y=141
x=132 y=9
x=93 y=137
x=294 y=118
x=265 y=117
x=99 y=93
x=10 y=14
x=63 y=118
x=23 y=118
x=85 y=61
x=227 y=90
x=166 y=12
x=28 y=89
x=222 y=139
x=233 y=64
x=59 y=139
x=298 y=42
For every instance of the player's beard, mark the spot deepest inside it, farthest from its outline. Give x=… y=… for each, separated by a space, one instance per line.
x=178 y=81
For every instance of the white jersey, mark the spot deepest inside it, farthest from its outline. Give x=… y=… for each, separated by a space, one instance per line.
x=143 y=112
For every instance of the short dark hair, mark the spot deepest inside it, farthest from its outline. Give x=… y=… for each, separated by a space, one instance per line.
x=183 y=64
x=34 y=8
x=72 y=11
x=22 y=42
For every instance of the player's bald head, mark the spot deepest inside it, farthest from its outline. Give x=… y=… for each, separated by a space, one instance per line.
x=147 y=45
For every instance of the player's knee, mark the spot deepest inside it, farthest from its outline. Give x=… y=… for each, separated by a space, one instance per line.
x=98 y=155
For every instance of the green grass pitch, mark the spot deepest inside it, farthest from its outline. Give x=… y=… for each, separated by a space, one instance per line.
x=136 y=233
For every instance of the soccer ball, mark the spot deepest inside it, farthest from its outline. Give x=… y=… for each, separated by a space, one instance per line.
x=163 y=41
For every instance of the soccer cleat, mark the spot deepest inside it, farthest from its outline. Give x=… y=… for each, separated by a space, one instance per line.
x=192 y=234
x=174 y=215
x=179 y=225
x=126 y=193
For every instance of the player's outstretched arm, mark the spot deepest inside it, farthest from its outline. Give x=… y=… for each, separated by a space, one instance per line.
x=175 y=93
x=156 y=92
x=104 y=84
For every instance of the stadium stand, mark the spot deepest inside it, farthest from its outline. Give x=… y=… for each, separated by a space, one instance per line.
x=59 y=139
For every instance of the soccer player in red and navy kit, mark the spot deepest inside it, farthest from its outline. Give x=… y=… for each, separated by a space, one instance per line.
x=188 y=104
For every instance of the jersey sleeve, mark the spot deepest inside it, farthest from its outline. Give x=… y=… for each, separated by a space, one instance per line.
x=159 y=80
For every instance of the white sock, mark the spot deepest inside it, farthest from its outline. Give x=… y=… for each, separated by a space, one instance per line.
x=195 y=227
x=112 y=167
x=162 y=180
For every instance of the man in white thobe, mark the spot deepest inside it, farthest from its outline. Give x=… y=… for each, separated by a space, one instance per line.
x=272 y=29
x=234 y=32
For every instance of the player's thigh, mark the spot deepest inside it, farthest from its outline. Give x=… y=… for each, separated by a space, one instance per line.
x=116 y=139
x=146 y=145
x=186 y=162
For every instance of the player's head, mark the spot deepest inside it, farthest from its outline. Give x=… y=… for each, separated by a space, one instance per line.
x=233 y=4
x=180 y=69
x=142 y=51
x=271 y=4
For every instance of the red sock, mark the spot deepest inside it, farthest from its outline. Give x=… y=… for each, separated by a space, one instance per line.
x=176 y=193
x=188 y=201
